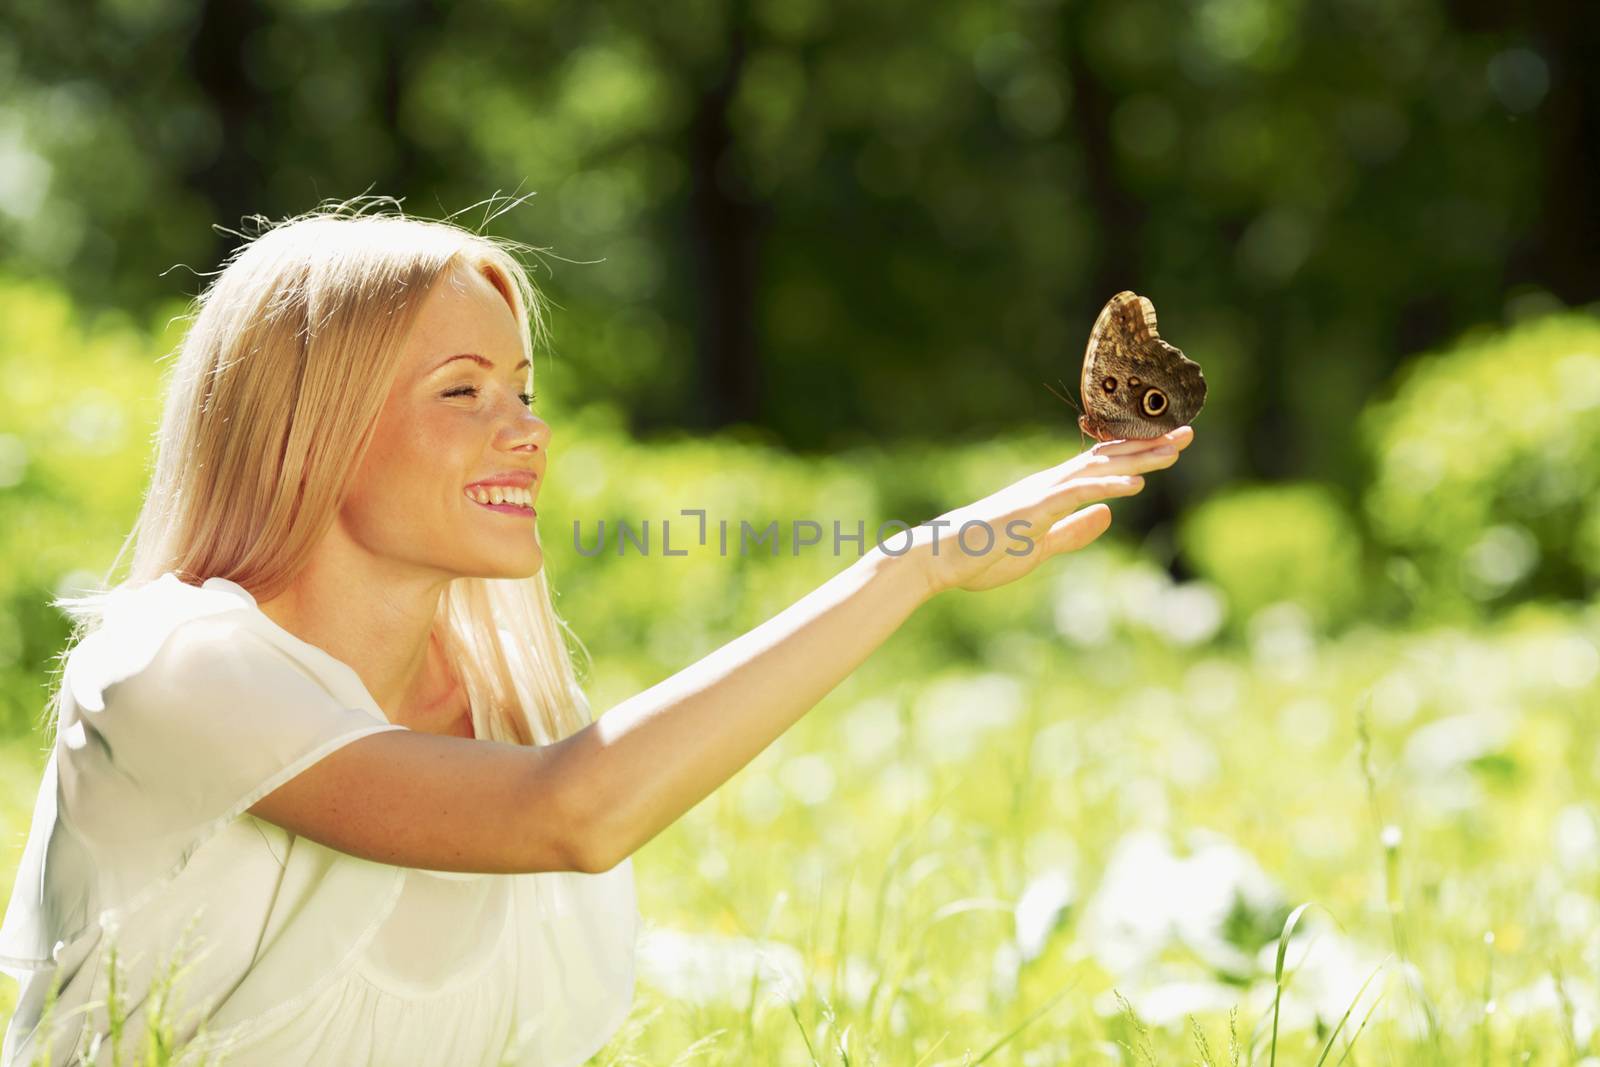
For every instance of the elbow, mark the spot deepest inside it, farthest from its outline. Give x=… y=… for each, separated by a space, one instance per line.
x=595 y=849
x=597 y=862
x=594 y=837
x=589 y=843
x=584 y=853
x=552 y=829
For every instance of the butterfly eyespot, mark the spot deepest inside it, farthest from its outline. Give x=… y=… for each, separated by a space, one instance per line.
x=1109 y=384
x=1154 y=402
x=1133 y=382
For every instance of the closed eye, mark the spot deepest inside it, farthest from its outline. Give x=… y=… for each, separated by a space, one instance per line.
x=472 y=390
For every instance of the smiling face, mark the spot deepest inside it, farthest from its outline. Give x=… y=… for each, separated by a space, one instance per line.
x=456 y=418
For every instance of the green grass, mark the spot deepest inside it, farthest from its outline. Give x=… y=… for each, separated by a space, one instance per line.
x=1262 y=746
x=881 y=846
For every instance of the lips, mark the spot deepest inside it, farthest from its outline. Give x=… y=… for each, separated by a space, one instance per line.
x=509 y=509
x=519 y=479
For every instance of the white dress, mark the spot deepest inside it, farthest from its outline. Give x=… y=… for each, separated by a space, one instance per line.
x=297 y=953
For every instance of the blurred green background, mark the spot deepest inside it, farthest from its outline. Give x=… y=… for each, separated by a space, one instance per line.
x=819 y=261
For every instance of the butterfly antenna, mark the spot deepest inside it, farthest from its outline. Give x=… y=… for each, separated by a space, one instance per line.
x=1065 y=399
x=1082 y=437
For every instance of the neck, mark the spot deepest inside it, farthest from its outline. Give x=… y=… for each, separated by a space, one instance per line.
x=380 y=626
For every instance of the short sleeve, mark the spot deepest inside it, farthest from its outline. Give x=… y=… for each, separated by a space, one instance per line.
x=216 y=718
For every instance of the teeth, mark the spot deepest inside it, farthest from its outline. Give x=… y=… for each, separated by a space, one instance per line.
x=501 y=494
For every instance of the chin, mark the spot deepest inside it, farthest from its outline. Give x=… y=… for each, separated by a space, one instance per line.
x=506 y=570
x=528 y=570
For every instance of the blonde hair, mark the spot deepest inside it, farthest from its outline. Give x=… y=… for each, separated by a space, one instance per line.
x=269 y=408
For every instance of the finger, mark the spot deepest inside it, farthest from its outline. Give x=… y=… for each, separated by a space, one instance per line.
x=1178 y=438
x=1152 y=459
x=1113 y=456
x=1122 y=446
x=1077 y=529
x=1079 y=491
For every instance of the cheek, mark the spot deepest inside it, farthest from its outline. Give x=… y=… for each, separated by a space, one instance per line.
x=412 y=454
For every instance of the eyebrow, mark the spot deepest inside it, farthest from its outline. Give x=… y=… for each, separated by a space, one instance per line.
x=481 y=361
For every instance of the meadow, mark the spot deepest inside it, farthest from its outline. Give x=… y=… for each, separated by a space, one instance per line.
x=1328 y=797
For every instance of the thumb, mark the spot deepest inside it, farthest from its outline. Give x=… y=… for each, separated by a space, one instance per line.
x=1078 y=529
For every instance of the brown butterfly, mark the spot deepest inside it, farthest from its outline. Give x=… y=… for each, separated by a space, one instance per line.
x=1134 y=384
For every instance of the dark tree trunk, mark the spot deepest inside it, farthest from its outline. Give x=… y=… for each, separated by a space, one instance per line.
x=725 y=236
x=1119 y=218
x=1559 y=252
x=404 y=27
x=1569 y=37
x=232 y=181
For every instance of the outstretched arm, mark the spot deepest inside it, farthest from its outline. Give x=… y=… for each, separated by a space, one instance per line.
x=653 y=757
x=656 y=755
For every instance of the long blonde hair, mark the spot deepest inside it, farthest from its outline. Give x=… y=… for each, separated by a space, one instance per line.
x=268 y=410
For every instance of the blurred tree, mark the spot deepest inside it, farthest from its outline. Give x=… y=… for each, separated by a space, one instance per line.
x=1557 y=59
x=834 y=224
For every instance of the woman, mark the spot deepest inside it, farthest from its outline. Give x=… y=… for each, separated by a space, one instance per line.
x=324 y=746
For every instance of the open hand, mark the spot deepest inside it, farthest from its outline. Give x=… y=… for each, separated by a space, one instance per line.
x=1038 y=517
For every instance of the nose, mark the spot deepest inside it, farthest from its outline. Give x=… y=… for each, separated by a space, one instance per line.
x=532 y=433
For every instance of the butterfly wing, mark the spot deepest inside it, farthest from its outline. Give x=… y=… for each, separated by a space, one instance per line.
x=1100 y=338
x=1104 y=360
x=1134 y=384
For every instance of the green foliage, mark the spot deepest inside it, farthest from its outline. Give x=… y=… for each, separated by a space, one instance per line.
x=1266 y=543
x=847 y=223
x=81 y=405
x=1487 y=465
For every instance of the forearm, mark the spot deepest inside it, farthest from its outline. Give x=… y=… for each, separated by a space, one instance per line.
x=653 y=757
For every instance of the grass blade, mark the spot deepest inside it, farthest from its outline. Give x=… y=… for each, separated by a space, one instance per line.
x=1024 y=1024
x=1326 y=1049
x=1277 y=975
